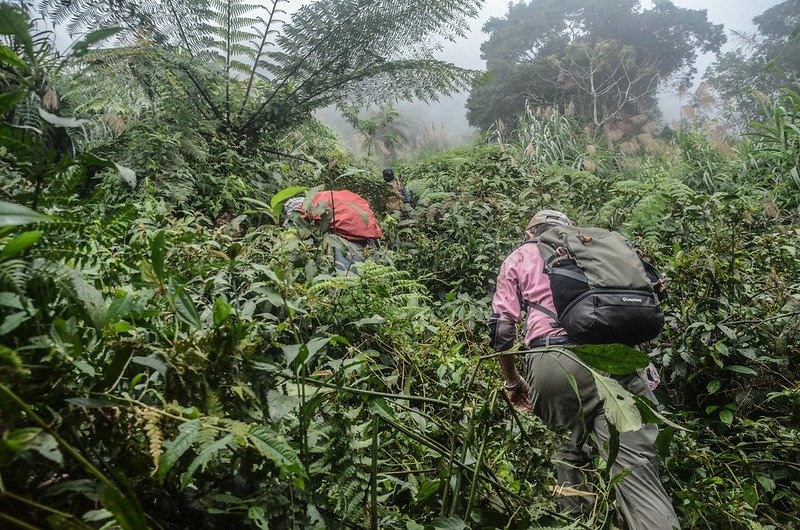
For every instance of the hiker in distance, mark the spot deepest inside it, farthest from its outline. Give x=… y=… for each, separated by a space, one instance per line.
x=400 y=196
x=556 y=250
x=351 y=219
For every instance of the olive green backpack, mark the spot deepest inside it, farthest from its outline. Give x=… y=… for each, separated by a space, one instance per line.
x=603 y=290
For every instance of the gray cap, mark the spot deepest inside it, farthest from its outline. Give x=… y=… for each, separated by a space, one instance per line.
x=550 y=217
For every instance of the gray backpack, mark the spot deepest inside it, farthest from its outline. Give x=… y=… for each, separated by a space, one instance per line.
x=603 y=290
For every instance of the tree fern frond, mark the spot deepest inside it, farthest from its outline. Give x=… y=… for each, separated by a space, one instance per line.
x=330 y=51
x=412 y=79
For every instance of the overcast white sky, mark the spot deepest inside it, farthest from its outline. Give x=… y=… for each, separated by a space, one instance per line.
x=734 y=14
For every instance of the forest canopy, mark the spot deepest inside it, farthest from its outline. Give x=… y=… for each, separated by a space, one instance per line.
x=607 y=58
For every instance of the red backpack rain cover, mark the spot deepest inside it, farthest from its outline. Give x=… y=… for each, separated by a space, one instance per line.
x=352 y=217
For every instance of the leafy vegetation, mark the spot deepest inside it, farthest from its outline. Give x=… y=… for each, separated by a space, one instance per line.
x=173 y=358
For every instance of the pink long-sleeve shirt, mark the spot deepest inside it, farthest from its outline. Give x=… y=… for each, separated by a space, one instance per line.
x=522 y=277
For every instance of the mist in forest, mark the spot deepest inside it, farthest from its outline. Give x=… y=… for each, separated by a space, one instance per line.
x=445 y=120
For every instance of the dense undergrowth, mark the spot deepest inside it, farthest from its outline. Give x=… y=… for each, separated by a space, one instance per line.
x=172 y=358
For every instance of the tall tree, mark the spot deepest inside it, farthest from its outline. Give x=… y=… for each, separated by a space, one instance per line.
x=251 y=74
x=763 y=62
x=551 y=52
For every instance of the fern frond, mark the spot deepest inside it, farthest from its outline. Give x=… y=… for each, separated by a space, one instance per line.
x=14 y=276
x=155 y=435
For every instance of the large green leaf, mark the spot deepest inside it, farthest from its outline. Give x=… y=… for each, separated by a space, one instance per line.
x=16 y=215
x=8 y=57
x=174 y=449
x=280 y=404
x=186 y=309
x=380 y=407
x=651 y=415
x=278 y=198
x=620 y=407
x=19 y=244
x=451 y=523
x=126 y=509
x=9 y=100
x=615 y=359
x=14 y=22
x=151 y=361
x=92 y=300
x=15 y=442
x=291 y=351
x=221 y=311
x=46 y=446
x=13 y=321
x=82 y=46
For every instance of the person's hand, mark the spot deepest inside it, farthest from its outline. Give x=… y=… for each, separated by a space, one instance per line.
x=518 y=396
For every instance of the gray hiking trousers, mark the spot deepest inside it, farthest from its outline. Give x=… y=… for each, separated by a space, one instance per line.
x=640 y=495
x=349 y=253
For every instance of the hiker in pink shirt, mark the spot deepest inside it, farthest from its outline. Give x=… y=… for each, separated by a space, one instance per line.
x=522 y=281
x=552 y=375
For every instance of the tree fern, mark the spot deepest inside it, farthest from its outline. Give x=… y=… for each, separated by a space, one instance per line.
x=330 y=52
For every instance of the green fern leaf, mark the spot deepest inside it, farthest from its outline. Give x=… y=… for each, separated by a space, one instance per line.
x=278 y=450
x=174 y=449
x=92 y=300
x=202 y=459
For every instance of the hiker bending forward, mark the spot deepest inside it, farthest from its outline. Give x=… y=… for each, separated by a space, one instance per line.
x=522 y=283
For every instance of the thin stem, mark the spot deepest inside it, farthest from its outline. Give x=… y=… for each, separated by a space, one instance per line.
x=14 y=520
x=463 y=461
x=373 y=479
x=378 y=394
x=228 y=44
x=67 y=447
x=450 y=464
x=74 y=520
x=296 y=68
x=267 y=29
x=759 y=321
x=474 y=486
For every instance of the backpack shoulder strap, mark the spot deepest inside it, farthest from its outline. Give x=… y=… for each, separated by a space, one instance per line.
x=527 y=304
x=543 y=309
